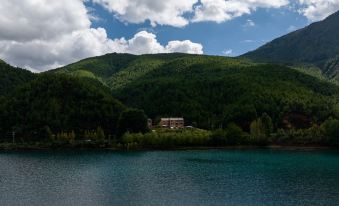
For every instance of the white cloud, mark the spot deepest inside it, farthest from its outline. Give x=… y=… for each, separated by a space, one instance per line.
x=228 y=52
x=221 y=10
x=144 y=43
x=43 y=55
x=249 y=23
x=316 y=10
x=147 y=43
x=44 y=34
x=184 y=47
x=158 y=12
x=25 y=20
x=46 y=54
x=247 y=41
x=173 y=12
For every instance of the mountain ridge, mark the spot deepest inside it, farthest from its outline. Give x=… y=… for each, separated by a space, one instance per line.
x=186 y=85
x=11 y=77
x=316 y=44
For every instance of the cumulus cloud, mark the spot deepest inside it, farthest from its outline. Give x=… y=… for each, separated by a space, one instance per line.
x=143 y=43
x=221 y=10
x=173 y=12
x=184 y=47
x=147 y=43
x=25 y=20
x=228 y=52
x=41 y=55
x=316 y=10
x=169 y=12
x=44 y=34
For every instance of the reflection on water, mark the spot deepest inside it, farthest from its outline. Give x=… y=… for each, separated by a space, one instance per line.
x=231 y=177
x=214 y=161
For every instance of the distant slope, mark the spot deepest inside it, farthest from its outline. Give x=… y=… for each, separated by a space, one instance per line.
x=60 y=103
x=11 y=77
x=116 y=70
x=212 y=95
x=211 y=92
x=317 y=44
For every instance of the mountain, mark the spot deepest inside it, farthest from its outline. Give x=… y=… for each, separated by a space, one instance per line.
x=316 y=44
x=116 y=70
x=212 y=92
x=11 y=77
x=58 y=103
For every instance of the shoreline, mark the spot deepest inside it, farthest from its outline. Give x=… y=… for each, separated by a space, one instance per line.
x=9 y=147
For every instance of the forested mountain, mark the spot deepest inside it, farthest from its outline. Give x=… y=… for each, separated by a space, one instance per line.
x=211 y=92
x=52 y=104
x=82 y=100
x=116 y=70
x=11 y=77
x=249 y=96
x=317 y=44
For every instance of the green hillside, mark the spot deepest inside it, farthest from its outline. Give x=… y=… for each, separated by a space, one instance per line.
x=52 y=104
x=211 y=92
x=117 y=70
x=317 y=44
x=11 y=77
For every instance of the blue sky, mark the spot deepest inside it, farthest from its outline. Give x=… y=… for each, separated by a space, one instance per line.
x=233 y=38
x=42 y=34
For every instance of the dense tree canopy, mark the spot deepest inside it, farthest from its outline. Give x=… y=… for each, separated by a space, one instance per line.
x=59 y=103
x=133 y=121
x=213 y=95
x=317 y=44
x=11 y=77
x=211 y=92
x=245 y=102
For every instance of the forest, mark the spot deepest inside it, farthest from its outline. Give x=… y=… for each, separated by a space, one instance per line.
x=106 y=101
x=313 y=46
x=61 y=109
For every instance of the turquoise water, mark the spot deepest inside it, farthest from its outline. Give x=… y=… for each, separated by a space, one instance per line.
x=218 y=177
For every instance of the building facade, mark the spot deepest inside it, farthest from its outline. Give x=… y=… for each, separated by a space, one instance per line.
x=150 y=123
x=172 y=122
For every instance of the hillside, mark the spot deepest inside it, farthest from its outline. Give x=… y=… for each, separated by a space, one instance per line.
x=57 y=103
x=211 y=92
x=117 y=70
x=11 y=77
x=317 y=44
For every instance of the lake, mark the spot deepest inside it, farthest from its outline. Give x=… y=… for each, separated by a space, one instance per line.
x=215 y=177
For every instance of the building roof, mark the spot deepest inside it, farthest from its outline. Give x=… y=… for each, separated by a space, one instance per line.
x=173 y=119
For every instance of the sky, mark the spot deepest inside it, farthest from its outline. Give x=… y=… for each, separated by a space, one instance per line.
x=44 y=34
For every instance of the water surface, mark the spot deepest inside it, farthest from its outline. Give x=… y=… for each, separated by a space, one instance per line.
x=218 y=177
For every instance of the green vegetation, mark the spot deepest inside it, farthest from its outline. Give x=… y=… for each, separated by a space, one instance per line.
x=262 y=134
x=11 y=77
x=212 y=95
x=331 y=131
x=102 y=67
x=166 y=138
x=57 y=107
x=117 y=70
x=312 y=71
x=261 y=101
x=317 y=45
x=232 y=100
x=261 y=129
x=132 y=120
